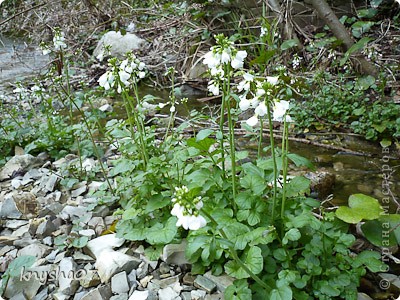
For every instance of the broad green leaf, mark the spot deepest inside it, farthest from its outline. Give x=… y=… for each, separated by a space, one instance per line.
x=282 y=293
x=371 y=259
x=122 y=166
x=383 y=232
x=297 y=186
x=292 y=235
x=254 y=183
x=154 y=253
x=386 y=143
x=365 y=82
x=355 y=48
x=80 y=242
x=329 y=290
x=300 y=161
x=289 y=44
x=239 y=290
x=14 y=268
x=155 y=202
x=162 y=234
x=360 y=27
x=203 y=134
x=361 y=207
x=203 y=145
x=253 y=260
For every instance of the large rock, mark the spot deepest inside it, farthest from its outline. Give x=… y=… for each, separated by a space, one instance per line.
x=111 y=262
x=8 y=208
x=120 y=44
x=19 y=165
x=105 y=242
x=67 y=281
x=174 y=254
x=139 y=295
x=101 y=293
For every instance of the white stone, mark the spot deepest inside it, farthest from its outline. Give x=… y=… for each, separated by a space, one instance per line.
x=111 y=262
x=167 y=294
x=119 y=283
x=120 y=44
x=139 y=295
x=67 y=281
x=104 y=242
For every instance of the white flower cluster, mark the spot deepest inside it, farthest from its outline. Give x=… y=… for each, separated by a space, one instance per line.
x=58 y=42
x=122 y=74
x=186 y=209
x=257 y=102
x=222 y=54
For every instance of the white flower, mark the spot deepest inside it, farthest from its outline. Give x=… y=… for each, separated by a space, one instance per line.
x=211 y=60
x=100 y=57
x=248 y=77
x=213 y=88
x=254 y=102
x=280 y=108
x=244 y=104
x=172 y=109
x=261 y=109
x=264 y=31
x=142 y=74
x=217 y=71
x=226 y=56
x=260 y=92
x=252 y=121
x=237 y=62
x=124 y=77
x=141 y=66
x=46 y=51
x=272 y=79
x=245 y=84
x=190 y=222
x=177 y=210
x=106 y=80
x=58 y=41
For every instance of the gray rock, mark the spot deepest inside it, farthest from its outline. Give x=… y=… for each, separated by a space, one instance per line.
x=164 y=268
x=119 y=283
x=186 y=296
x=105 y=242
x=139 y=295
x=27 y=204
x=142 y=270
x=174 y=254
x=45 y=229
x=60 y=296
x=120 y=44
x=123 y=296
x=18 y=297
x=14 y=224
x=22 y=231
x=362 y=296
x=73 y=212
x=48 y=241
x=110 y=262
x=80 y=257
x=30 y=283
x=42 y=295
x=394 y=281
x=101 y=211
x=90 y=279
x=51 y=182
x=25 y=241
x=198 y=294
x=79 y=296
x=19 y=165
x=97 y=224
x=100 y=293
x=214 y=297
x=87 y=232
x=165 y=282
x=79 y=191
x=8 y=208
x=5 y=249
x=222 y=281
x=36 y=249
x=168 y=293
x=205 y=284
x=67 y=280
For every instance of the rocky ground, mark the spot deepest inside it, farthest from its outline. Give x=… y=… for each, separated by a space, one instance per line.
x=37 y=212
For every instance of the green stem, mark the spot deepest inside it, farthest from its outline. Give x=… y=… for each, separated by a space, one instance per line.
x=285 y=149
x=140 y=125
x=260 y=139
x=236 y=256
x=271 y=137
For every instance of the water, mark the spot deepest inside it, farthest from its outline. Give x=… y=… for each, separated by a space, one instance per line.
x=18 y=60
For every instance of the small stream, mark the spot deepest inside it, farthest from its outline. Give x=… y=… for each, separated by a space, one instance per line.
x=18 y=61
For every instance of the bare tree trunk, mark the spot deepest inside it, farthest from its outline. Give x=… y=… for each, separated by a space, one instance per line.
x=341 y=33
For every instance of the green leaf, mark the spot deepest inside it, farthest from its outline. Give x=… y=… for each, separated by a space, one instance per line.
x=292 y=235
x=80 y=242
x=252 y=259
x=383 y=232
x=365 y=82
x=122 y=166
x=239 y=290
x=203 y=134
x=361 y=207
x=300 y=161
x=154 y=253
x=297 y=186
x=360 y=27
x=282 y=293
x=162 y=234
x=289 y=44
x=355 y=48
x=386 y=143
x=24 y=261
x=156 y=202
x=203 y=145
x=371 y=259
x=329 y=290
x=254 y=183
